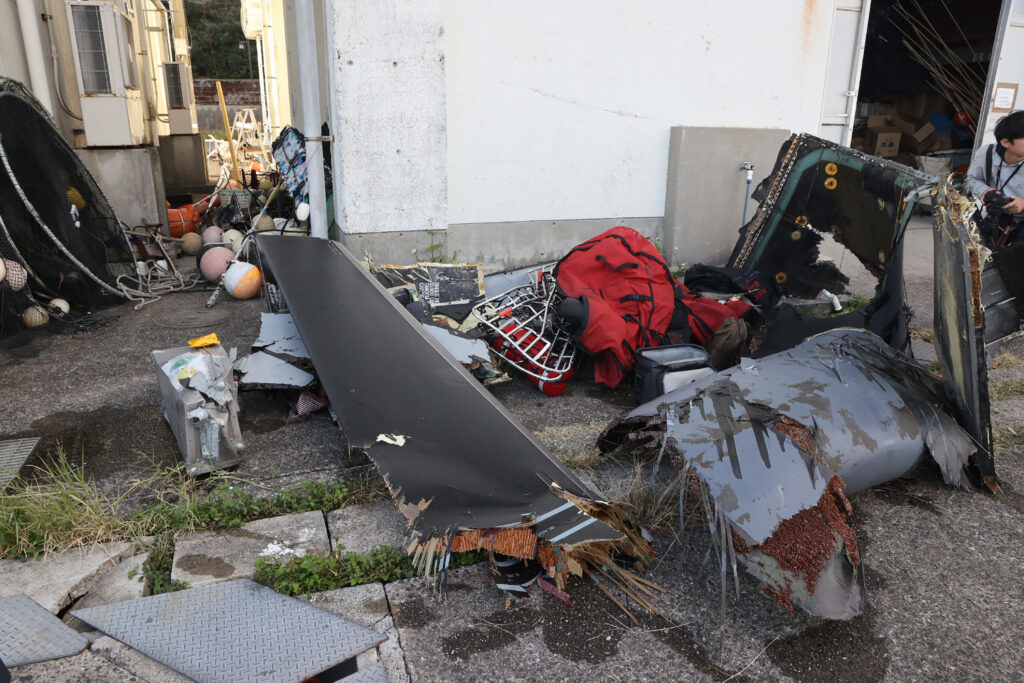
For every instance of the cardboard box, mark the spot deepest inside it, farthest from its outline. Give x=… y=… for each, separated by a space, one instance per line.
x=911 y=145
x=883 y=141
x=922 y=104
x=882 y=120
x=942 y=140
x=916 y=127
x=857 y=143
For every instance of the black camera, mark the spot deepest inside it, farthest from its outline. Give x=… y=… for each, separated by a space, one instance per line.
x=994 y=202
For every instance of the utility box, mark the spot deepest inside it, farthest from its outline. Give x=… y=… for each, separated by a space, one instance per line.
x=199 y=400
x=103 y=41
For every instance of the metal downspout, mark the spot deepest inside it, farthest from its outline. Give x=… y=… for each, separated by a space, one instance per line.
x=311 y=120
x=34 y=53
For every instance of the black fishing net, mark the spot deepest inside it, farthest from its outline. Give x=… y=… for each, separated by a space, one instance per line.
x=82 y=241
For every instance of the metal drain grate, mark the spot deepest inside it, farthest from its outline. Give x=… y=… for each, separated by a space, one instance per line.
x=13 y=455
x=28 y=633
x=233 y=631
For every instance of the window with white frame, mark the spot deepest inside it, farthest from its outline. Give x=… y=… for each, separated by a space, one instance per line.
x=92 y=49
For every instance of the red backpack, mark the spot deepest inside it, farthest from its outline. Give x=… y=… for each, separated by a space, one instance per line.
x=631 y=301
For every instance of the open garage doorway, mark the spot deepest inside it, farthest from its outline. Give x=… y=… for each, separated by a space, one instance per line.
x=924 y=74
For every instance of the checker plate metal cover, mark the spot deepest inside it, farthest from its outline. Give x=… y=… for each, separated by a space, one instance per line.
x=13 y=455
x=28 y=633
x=233 y=631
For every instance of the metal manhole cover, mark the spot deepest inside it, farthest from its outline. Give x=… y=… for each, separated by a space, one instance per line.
x=202 y=318
x=13 y=455
x=233 y=631
x=28 y=633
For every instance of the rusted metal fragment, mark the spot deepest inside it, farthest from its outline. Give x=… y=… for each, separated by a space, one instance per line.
x=775 y=445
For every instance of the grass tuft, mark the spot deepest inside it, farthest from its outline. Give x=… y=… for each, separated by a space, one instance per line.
x=582 y=460
x=1008 y=439
x=59 y=507
x=654 y=508
x=62 y=510
x=1007 y=389
x=1006 y=360
x=922 y=334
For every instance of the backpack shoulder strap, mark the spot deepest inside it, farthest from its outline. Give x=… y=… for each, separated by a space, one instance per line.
x=988 y=165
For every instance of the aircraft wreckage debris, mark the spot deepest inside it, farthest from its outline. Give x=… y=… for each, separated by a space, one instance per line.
x=483 y=480
x=769 y=450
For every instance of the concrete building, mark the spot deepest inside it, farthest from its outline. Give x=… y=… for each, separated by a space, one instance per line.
x=116 y=77
x=518 y=129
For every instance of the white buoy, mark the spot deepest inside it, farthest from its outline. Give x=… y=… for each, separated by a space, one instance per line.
x=243 y=280
x=60 y=305
x=233 y=239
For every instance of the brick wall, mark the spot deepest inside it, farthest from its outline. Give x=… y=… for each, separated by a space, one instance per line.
x=241 y=91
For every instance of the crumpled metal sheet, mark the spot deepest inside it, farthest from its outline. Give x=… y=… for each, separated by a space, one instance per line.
x=453 y=458
x=768 y=438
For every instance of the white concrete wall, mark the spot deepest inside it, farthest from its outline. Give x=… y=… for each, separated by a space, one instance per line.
x=12 y=48
x=563 y=109
x=1007 y=67
x=389 y=115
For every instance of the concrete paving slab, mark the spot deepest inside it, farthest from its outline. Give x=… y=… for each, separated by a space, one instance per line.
x=84 y=668
x=124 y=657
x=361 y=528
x=58 y=579
x=211 y=557
x=367 y=605
x=122 y=581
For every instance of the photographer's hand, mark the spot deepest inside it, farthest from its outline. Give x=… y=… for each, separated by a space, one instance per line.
x=1014 y=204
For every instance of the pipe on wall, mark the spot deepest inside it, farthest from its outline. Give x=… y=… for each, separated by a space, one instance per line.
x=304 y=19
x=27 y=14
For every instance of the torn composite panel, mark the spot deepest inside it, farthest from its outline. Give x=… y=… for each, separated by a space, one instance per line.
x=960 y=320
x=462 y=463
x=775 y=445
x=816 y=188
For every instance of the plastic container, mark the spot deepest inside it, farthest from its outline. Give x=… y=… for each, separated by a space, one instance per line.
x=661 y=369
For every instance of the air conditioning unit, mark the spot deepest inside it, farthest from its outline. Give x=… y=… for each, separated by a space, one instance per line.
x=252 y=19
x=177 y=79
x=107 y=70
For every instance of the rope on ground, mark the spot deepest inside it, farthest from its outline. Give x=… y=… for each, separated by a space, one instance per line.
x=156 y=281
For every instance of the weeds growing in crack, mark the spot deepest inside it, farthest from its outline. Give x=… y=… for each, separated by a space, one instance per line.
x=313 y=573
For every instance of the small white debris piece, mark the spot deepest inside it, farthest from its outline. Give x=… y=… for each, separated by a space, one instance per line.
x=275 y=549
x=393 y=439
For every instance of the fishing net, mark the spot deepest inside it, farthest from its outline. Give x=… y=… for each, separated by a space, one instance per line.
x=54 y=219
